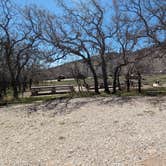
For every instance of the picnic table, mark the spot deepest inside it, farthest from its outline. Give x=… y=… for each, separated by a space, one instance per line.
x=52 y=89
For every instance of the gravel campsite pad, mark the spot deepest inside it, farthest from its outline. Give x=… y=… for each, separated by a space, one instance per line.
x=112 y=131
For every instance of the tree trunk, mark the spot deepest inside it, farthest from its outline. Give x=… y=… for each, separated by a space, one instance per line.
x=4 y=85
x=0 y=95
x=96 y=84
x=115 y=80
x=78 y=84
x=86 y=85
x=128 y=82
x=139 y=82
x=19 y=85
x=13 y=78
x=15 y=90
x=104 y=74
x=30 y=83
x=118 y=80
x=24 y=85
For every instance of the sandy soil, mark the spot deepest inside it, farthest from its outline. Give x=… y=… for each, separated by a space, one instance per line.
x=85 y=132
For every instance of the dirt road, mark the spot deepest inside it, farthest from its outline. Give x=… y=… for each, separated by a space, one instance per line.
x=85 y=132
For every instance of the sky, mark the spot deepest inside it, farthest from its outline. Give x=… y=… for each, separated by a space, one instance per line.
x=46 y=4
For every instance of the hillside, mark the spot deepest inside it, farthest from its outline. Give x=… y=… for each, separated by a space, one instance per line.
x=153 y=63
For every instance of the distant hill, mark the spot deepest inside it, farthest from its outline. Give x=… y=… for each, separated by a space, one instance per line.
x=154 y=62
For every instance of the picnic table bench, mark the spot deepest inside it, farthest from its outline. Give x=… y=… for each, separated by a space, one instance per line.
x=53 y=89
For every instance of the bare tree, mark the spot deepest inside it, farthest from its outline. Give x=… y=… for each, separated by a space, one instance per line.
x=127 y=40
x=67 y=35
x=97 y=32
x=19 y=42
x=139 y=24
x=150 y=16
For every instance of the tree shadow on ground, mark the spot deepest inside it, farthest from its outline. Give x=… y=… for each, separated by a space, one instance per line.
x=115 y=100
x=65 y=105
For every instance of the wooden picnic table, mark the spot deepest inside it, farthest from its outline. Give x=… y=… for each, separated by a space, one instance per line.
x=53 y=89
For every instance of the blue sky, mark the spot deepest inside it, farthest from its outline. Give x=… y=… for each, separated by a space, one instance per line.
x=47 y=4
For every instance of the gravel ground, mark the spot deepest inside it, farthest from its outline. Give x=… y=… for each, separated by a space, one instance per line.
x=85 y=132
